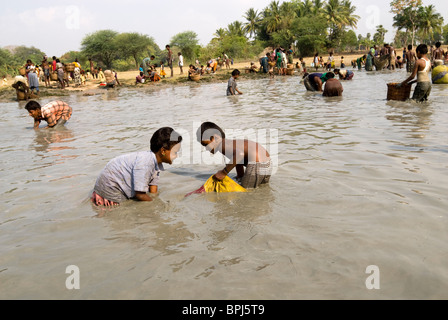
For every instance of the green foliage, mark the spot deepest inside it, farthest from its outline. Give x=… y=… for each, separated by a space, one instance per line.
x=71 y=56
x=445 y=33
x=187 y=42
x=101 y=45
x=349 y=40
x=23 y=53
x=136 y=46
x=311 y=34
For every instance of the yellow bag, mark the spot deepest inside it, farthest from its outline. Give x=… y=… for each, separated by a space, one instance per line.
x=214 y=185
x=226 y=185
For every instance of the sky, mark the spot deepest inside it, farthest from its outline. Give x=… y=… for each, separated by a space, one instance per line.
x=56 y=27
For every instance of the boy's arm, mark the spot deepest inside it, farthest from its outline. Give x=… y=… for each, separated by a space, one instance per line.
x=412 y=76
x=237 y=159
x=142 y=196
x=36 y=124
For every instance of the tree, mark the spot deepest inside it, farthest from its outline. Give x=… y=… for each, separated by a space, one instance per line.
x=219 y=34
x=24 y=53
x=187 y=42
x=379 y=35
x=101 y=45
x=445 y=33
x=253 y=22
x=310 y=33
x=339 y=15
x=349 y=40
x=429 y=21
x=71 y=56
x=406 y=15
x=236 y=29
x=135 y=45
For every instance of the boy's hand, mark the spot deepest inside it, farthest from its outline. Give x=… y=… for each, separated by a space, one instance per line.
x=220 y=175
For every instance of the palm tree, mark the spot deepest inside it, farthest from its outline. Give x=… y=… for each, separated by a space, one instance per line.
x=236 y=29
x=429 y=20
x=253 y=22
x=220 y=34
x=351 y=19
x=378 y=37
x=272 y=17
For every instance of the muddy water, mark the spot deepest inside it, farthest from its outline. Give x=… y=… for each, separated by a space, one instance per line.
x=359 y=182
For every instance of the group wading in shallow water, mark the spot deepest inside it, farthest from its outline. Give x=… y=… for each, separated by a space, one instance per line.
x=132 y=176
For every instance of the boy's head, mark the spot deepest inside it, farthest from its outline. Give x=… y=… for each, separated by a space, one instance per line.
x=235 y=73
x=438 y=44
x=165 y=143
x=210 y=136
x=410 y=47
x=421 y=50
x=34 y=109
x=336 y=71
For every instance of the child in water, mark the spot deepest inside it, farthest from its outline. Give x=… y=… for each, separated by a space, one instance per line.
x=132 y=175
x=242 y=153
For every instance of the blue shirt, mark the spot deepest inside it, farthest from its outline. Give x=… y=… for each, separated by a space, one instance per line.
x=126 y=174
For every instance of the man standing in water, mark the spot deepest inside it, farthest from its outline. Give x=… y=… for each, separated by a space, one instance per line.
x=410 y=59
x=421 y=70
x=438 y=55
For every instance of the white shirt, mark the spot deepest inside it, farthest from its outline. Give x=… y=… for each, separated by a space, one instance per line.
x=181 y=61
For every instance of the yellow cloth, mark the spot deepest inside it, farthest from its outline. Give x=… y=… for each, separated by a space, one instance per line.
x=226 y=185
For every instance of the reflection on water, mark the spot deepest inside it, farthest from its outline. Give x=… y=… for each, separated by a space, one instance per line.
x=53 y=140
x=356 y=175
x=411 y=116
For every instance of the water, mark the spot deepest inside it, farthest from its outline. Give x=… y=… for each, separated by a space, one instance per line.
x=360 y=181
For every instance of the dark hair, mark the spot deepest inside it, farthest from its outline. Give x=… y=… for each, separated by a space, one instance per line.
x=153 y=57
x=207 y=130
x=329 y=75
x=54 y=58
x=438 y=44
x=336 y=71
x=410 y=47
x=32 y=105
x=235 y=72
x=422 y=48
x=166 y=138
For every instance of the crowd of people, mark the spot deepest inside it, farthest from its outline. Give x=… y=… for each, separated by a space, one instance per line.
x=27 y=83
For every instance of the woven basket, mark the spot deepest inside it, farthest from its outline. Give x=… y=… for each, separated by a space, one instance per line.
x=70 y=67
x=289 y=71
x=290 y=66
x=400 y=94
x=195 y=77
x=22 y=71
x=20 y=95
x=54 y=76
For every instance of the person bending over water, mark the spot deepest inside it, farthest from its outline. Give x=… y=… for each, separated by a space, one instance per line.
x=242 y=153
x=132 y=175
x=55 y=113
